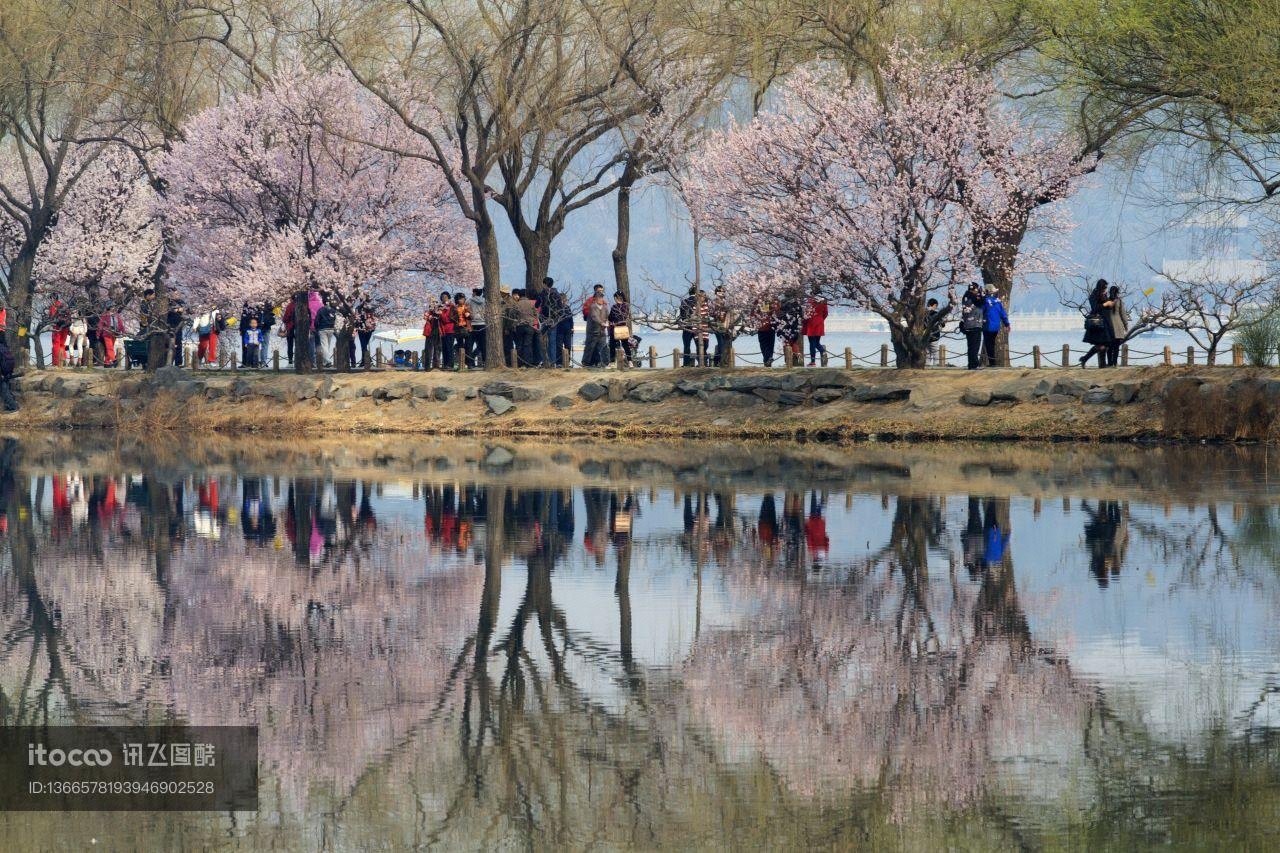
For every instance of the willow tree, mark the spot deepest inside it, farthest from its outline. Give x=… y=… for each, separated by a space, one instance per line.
x=58 y=63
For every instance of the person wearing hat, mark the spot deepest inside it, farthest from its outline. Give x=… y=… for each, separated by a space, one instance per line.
x=995 y=318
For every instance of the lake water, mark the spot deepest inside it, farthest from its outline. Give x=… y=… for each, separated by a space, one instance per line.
x=459 y=645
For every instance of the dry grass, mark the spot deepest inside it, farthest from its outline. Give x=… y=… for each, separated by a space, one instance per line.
x=1219 y=412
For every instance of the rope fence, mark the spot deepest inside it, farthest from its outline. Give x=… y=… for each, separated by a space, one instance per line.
x=943 y=357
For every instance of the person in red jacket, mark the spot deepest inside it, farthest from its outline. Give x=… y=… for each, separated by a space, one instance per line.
x=431 y=336
x=815 y=326
x=60 y=317
x=446 y=321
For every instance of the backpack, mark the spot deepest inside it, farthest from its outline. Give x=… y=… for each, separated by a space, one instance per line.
x=972 y=317
x=205 y=324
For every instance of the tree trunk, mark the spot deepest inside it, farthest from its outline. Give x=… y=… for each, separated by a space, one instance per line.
x=909 y=350
x=342 y=352
x=21 y=289
x=301 y=334
x=487 y=242
x=158 y=344
x=537 y=261
x=997 y=259
x=621 y=275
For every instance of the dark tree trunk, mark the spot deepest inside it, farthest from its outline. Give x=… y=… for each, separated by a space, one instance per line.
x=909 y=349
x=159 y=346
x=487 y=243
x=537 y=260
x=997 y=260
x=301 y=334
x=21 y=289
x=342 y=352
x=621 y=274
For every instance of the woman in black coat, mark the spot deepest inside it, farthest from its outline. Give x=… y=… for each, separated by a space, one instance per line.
x=1097 y=325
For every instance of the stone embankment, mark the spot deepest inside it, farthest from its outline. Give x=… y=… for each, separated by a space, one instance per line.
x=830 y=404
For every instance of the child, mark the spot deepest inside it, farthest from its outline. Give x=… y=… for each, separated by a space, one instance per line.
x=252 y=343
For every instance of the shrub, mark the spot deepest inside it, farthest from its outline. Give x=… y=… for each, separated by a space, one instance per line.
x=1260 y=337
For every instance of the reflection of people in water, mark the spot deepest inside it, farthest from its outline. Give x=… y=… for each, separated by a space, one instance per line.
x=793 y=528
x=997 y=536
x=1106 y=535
x=973 y=539
x=985 y=538
x=257 y=522
x=815 y=530
x=767 y=527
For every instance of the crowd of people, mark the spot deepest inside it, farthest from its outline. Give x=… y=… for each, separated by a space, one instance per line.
x=538 y=330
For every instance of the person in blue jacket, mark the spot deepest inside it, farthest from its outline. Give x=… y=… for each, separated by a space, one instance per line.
x=995 y=318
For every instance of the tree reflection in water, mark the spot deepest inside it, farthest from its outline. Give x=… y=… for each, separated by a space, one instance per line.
x=442 y=665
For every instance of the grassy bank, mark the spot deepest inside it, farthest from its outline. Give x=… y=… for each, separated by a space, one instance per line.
x=1156 y=403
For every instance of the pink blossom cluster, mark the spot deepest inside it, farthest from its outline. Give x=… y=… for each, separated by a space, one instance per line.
x=877 y=194
x=107 y=239
x=312 y=184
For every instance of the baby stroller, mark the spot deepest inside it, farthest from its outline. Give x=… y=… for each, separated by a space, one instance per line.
x=135 y=350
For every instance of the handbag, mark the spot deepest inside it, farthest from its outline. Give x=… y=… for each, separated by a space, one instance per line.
x=1094 y=323
x=621 y=333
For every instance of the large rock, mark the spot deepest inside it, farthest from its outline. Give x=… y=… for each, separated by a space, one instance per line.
x=1043 y=388
x=593 y=391
x=523 y=394
x=441 y=393
x=560 y=401
x=617 y=390
x=1124 y=392
x=822 y=396
x=976 y=397
x=168 y=375
x=792 y=380
x=497 y=388
x=497 y=405
x=324 y=388
x=346 y=392
x=881 y=394
x=1070 y=387
x=782 y=398
x=651 y=392
x=830 y=378
x=730 y=400
x=1010 y=392
x=1098 y=396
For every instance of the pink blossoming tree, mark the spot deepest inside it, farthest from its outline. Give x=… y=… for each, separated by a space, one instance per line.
x=878 y=196
x=106 y=240
x=312 y=184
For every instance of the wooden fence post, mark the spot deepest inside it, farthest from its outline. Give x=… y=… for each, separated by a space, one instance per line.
x=848 y=358
x=275 y=361
x=413 y=360
x=620 y=358
x=942 y=355
x=377 y=358
x=824 y=357
x=566 y=358
x=1066 y=355
x=1124 y=356
x=233 y=359
x=884 y=355
x=1035 y=357
x=675 y=359
x=653 y=357
x=1191 y=355
x=1237 y=355
x=1168 y=356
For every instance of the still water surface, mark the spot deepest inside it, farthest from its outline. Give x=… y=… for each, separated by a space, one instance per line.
x=463 y=646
